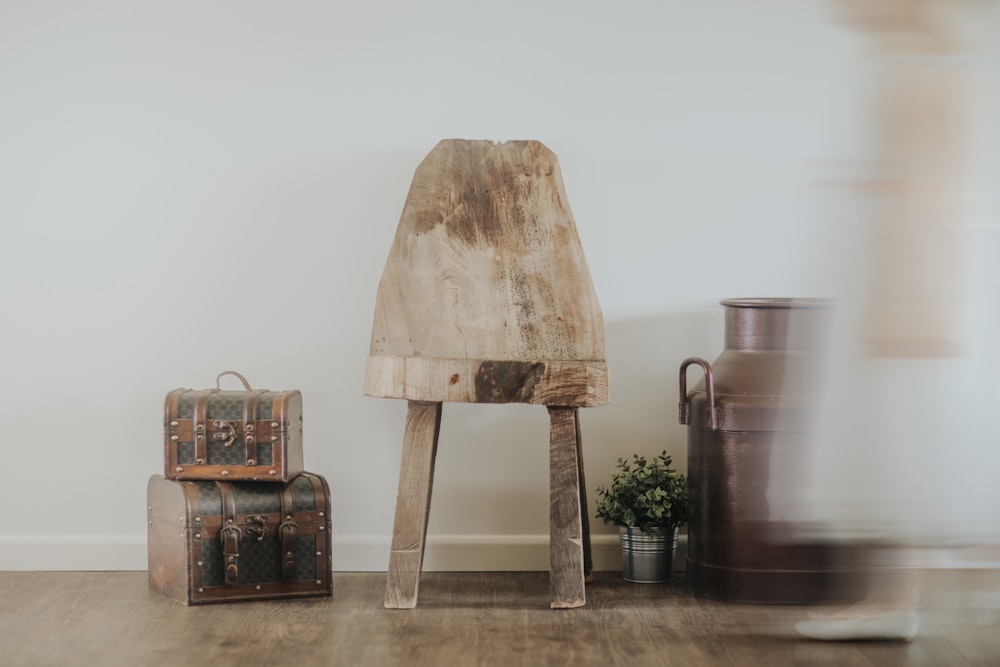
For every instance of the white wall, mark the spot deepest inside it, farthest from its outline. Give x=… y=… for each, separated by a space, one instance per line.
x=192 y=187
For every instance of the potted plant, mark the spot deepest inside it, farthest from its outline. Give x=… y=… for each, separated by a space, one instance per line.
x=648 y=501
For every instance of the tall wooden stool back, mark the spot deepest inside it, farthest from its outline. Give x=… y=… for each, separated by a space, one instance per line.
x=486 y=298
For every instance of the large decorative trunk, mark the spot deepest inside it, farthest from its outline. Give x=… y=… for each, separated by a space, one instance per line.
x=230 y=541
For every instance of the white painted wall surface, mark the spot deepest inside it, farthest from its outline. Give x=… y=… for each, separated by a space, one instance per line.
x=190 y=187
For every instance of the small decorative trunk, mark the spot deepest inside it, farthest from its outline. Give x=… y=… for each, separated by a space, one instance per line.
x=231 y=541
x=253 y=435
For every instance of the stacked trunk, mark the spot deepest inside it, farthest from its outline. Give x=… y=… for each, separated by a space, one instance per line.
x=234 y=516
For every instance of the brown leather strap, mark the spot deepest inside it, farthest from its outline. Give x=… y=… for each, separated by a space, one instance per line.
x=200 y=426
x=288 y=533
x=229 y=534
x=249 y=426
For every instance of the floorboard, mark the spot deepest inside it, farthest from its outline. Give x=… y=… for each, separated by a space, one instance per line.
x=112 y=618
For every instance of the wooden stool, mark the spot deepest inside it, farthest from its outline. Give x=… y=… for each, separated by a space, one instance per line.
x=486 y=298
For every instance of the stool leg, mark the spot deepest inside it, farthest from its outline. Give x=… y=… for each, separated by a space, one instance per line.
x=566 y=558
x=588 y=558
x=413 y=501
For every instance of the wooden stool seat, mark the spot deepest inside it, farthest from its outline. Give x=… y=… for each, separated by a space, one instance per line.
x=486 y=298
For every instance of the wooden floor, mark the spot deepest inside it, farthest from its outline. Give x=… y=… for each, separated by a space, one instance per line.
x=111 y=618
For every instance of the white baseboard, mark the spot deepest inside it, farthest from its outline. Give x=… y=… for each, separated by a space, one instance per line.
x=370 y=553
x=466 y=553
x=73 y=552
x=351 y=553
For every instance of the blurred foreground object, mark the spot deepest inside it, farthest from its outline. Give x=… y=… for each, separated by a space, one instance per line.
x=902 y=434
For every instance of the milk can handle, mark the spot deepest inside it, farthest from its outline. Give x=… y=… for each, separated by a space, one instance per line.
x=684 y=406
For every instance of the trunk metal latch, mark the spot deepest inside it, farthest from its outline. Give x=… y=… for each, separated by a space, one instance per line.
x=257 y=526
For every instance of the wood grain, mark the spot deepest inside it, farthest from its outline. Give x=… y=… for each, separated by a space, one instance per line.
x=566 y=549
x=416 y=477
x=487 y=270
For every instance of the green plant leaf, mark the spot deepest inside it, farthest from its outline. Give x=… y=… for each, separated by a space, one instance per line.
x=645 y=493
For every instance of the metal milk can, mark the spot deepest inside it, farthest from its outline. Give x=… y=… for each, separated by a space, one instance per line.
x=752 y=403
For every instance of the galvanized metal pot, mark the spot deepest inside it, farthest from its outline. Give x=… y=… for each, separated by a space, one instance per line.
x=647 y=559
x=741 y=413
